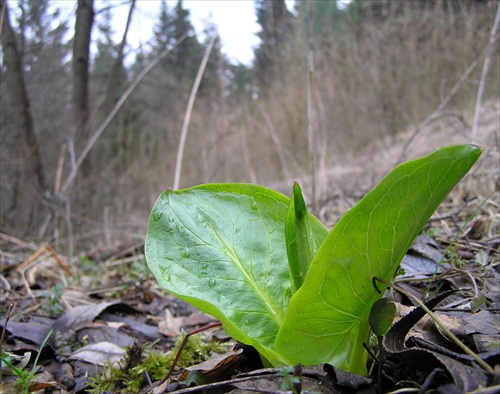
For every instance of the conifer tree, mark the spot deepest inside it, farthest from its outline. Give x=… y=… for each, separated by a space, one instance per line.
x=275 y=21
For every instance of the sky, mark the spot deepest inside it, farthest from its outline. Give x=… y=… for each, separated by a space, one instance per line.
x=235 y=19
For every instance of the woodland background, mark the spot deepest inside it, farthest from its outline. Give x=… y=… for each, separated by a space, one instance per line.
x=380 y=67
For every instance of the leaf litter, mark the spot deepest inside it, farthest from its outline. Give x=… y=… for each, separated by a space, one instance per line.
x=107 y=303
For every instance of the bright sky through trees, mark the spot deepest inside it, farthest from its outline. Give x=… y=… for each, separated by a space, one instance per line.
x=235 y=19
x=236 y=22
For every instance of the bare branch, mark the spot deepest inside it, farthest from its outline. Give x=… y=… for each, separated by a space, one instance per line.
x=187 y=117
x=486 y=67
x=311 y=137
x=114 y=111
x=114 y=75
x=438 y=112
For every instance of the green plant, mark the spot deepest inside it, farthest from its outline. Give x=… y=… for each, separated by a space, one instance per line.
x=24 y=376
x=292 y=380
x=155 y=364
x=272 y=273
x=52 y=297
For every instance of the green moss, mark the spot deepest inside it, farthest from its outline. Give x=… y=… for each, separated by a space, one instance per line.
x=155 y=364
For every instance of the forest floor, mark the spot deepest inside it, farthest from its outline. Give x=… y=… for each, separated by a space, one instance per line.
x=64 y=323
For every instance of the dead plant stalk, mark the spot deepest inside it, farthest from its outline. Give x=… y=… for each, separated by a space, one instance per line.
x=187 y=117
x=75 y=164
x=311 y=138
x=486 y=67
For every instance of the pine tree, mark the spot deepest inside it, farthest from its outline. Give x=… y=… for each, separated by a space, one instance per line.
x=275 y=21
x=106 y=49
x=163 y=35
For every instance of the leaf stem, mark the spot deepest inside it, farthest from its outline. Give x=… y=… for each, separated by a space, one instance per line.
x=181 y=348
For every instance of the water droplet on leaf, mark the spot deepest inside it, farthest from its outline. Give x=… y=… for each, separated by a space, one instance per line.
x=156 y=216
x=212 y=282
x=185 y=253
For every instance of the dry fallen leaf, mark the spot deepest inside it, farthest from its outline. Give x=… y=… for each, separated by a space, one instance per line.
x=215 y=366
x=171 y=326
x=99 y=354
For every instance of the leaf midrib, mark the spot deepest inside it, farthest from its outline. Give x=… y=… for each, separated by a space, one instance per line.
x=234 y=257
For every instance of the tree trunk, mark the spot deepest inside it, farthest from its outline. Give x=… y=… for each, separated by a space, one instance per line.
x=20 y=102
x=115 y=74
x=81 y=49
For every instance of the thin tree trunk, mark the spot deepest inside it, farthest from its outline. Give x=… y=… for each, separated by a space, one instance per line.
x=81 y=49
x=20 y=102
x=76 y=163
x=115 y=75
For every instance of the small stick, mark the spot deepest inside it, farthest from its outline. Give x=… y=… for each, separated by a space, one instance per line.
x=311 y=135
x=486 y=67
x=4 y=330
x=18 y=242
x=450 y=335
x=183 y=344
x=45 y=248
x=26 y=264
x=148 y=379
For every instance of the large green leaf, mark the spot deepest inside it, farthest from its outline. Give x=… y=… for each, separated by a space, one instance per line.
x=303 y=234
x=221 y=247
x=327 y=318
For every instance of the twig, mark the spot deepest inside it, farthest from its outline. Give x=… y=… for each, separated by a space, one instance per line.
x=75 y=165
x=69 y=226
x=45 y=248
x=461 y=230
x=148 y=380
x=27 y=263
x=59 y=169
x=438 y=111
x=4 y=330
x=445 y=329
x=17 y=241
x=486 y=67
x=181 y=348
x=115 y=74
x=311 y=138
x=246 y=156
x=280 y=150
x=454 y=213
x=187 y=116
x=114 y=111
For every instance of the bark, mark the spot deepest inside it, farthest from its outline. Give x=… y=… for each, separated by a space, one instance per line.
x=81 y=49
x=14 y=77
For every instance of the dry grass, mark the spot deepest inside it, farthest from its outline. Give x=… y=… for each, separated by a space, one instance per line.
x=372 y=81
x=376 y=75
